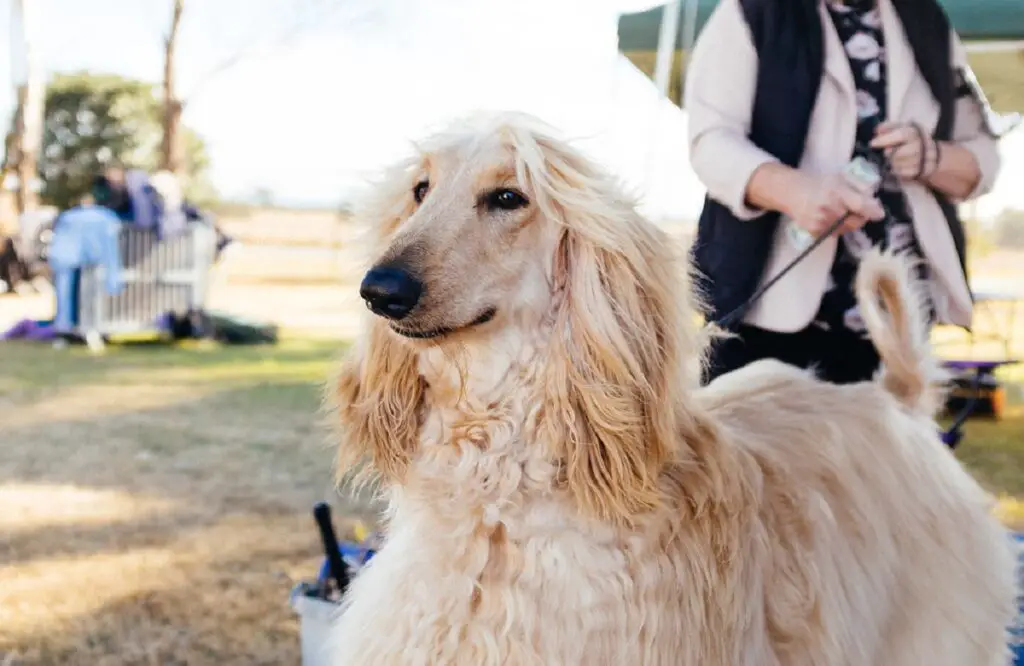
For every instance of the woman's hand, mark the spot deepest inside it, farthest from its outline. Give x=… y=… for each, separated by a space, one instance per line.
x=947 y=167
x=912 y=153
x=818 y=201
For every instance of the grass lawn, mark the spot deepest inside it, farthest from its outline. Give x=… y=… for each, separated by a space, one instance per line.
x=154 y=503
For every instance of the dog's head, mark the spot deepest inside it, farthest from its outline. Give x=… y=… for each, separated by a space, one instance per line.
x=504 y=228
x=462 y=241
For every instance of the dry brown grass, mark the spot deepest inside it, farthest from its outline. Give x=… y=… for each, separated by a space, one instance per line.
x=154 y=506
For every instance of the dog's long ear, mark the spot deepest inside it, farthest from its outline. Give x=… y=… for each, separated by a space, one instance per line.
x=377 y=399
x=615 y=404
x=378 y=391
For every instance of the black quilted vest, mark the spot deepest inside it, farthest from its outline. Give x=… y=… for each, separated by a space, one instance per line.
x=731 y=254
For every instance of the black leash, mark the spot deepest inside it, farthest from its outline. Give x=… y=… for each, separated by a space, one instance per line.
x=952 y=435
x=738 y=313
x=878 y=160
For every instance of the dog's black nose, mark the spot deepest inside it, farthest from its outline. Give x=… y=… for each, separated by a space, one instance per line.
x=390 y=292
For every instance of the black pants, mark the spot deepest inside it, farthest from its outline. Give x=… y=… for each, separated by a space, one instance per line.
x=840 y=357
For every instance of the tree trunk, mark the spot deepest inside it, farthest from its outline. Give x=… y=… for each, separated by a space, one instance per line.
x=12 y=140
x=8 y=199
x=173 y=144
x=29 y=127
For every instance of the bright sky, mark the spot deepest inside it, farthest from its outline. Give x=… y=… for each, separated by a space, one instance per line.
x=332 y=89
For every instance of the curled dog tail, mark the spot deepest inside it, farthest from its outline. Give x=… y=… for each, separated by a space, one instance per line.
x=894 y=313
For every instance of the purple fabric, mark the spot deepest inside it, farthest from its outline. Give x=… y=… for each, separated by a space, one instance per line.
x=165 y=322
x=28 y=329
x=976 y=365
x=952 y=437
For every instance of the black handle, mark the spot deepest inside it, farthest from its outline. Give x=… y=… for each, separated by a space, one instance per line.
x=322 y=515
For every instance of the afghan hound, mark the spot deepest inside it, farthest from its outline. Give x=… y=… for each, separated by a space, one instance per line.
x=560 y=489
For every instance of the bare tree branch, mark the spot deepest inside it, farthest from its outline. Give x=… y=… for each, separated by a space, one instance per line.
x=173 y=146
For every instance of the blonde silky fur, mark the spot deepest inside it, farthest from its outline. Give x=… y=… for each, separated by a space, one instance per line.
x=561 y=491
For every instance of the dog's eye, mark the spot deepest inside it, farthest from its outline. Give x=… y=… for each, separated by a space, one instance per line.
x=420 y=191
x=506 y=199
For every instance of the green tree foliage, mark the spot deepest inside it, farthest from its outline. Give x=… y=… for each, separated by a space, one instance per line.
x=94 y=120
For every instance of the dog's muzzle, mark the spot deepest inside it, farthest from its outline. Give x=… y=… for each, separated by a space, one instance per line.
x=390 y=292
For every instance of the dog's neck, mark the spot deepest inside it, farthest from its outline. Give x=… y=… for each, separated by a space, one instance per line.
x=479 y=374
x=483 y=453
x=473 y=376
x=479 y=447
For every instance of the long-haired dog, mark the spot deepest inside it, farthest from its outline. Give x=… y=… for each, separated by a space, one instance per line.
x=561 y=491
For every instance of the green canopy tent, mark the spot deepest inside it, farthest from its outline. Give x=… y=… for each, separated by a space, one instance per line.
x=1000 y=67
x=973 y=19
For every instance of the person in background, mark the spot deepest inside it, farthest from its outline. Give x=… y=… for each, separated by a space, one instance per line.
x=86 y=235
x=144 y=200
x=13 y=270
x=172 y=215
x=781 y=95
x=109 y=191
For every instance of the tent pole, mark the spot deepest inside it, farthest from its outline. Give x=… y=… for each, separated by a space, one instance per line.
x=666 y=44
x=688 y=38
x=670 y=14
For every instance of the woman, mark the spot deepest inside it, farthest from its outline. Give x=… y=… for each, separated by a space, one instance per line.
x=85 y=235
x=781 y=95
x=109 y=191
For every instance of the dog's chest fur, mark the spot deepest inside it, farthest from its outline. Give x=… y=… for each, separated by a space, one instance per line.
x=488 y=562
x=521 y=580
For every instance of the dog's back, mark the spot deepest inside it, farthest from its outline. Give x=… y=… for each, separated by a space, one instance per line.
x=865 y=509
